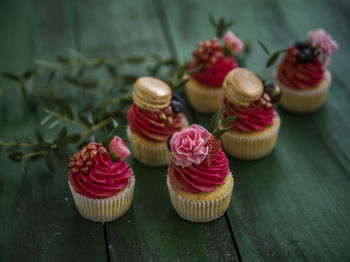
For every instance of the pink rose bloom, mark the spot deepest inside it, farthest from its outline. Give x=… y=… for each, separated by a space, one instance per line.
x=233 y=42
x=320 y=39
x=119 y=148
x=190 y=146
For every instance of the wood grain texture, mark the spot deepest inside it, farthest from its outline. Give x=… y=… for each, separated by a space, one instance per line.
x=37 y=214
x=293 y=204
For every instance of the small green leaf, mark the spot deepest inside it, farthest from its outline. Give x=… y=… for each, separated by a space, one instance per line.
x=39 y=136
x=180 y=84
x=195 y=70
x=68 y=139
x=98 y=62
x=215 y=119
x=212 y=20
x=264 y=47
x=115 y=123
x=81 y=71
x=16 y=156
x=48 y=162
x=84 y=120
x=228 y=120
x=13 y=148
x=181 y=71
x=51 y=101
x=12 y=77
x=112 y=71
x=55 y=123
x=71 y=80
x=272 y=59
x=25 y=93
x=27 y=74
x=63 y=107
x=220 y=132
x=63 y=132
x=45 y=119
x=63 y=60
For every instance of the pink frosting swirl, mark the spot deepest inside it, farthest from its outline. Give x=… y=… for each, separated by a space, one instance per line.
x=215 y=76
x=251 y=118
x=148 y=125
x=292 y=73
x=104 y=180
x=200 y=177
x=190 y=146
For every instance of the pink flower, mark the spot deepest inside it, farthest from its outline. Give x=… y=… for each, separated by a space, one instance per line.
x=190 y=145
x=233 y=42
x=119 y=148
x=320 y=39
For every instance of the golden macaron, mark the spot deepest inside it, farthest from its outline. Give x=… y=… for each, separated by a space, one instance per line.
x=151 y=94
x=241 y=87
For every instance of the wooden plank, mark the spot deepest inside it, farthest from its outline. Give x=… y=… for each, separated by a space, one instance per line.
x=150 y=230
x=38 y=218
x=293 y=204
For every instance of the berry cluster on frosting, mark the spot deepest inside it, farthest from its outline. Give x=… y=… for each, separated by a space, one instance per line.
x=302 y=66
x=213 y=60
x=99 y=172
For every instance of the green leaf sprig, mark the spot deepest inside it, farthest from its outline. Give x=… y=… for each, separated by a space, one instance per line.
x=221 y=25
x=216 y=122
x=271 y=59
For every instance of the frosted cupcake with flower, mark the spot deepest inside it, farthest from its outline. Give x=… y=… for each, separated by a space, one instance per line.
x=199 y=180
x=210 y=63
x=303 y=75
x=101 y=182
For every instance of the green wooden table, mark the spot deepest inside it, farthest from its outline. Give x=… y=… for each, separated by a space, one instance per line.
x=293 y=205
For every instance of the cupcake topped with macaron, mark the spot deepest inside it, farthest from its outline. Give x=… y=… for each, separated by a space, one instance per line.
x=256 y=124
x=101 y=182
x=155 y=114
x=211 y=61
x=302 y=74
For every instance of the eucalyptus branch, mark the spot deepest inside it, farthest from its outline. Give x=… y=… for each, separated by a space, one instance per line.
x=96 y=127
x=62 y=117
x=21 y=144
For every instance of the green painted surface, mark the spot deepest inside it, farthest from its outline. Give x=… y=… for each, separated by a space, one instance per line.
x=292 y=205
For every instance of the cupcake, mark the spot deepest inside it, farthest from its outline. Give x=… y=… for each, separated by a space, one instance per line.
x=302 y=76
x=257 y=124
x=210 y=63
x=101 y=182
x=199 y=180
x=153 y=116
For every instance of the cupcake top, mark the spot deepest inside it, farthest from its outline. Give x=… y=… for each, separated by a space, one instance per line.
x=215 y=60
x=100 y=172
x=249 y=100
x=301 y=66
x=198 y=163
x=155 y=113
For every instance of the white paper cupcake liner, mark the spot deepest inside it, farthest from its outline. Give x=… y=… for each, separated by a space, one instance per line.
x=304 y=101
x=246 y=147
x=148 y=155
x=199 y=211
x=204 y=100
x=106 y=209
